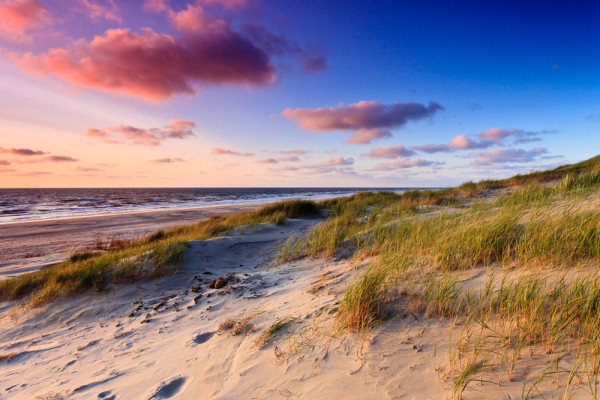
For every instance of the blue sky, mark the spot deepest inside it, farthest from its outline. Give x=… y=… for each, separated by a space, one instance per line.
x=514 y=87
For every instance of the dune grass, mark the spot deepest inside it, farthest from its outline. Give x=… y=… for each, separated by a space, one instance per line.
x=425 y=241
x=143 y=258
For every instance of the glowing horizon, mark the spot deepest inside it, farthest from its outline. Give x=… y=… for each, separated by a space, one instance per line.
x=239 y=93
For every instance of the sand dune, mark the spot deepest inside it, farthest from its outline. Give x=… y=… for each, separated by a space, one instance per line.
x=161 y=340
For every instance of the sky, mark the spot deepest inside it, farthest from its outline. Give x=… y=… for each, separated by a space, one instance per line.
x=294 y=93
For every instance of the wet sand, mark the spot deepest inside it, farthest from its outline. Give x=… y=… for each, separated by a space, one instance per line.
x=64 y=236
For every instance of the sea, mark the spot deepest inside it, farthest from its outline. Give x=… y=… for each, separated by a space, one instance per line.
x=26 y=205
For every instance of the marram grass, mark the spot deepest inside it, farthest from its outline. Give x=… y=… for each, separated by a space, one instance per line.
x=144 y=258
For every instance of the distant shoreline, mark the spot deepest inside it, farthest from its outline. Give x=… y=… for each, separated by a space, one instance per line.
x=30 y=239
x=38 y=205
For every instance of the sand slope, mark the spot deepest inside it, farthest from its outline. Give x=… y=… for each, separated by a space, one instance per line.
x=159 y=340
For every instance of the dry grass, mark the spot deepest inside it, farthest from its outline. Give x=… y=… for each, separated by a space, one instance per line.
x=128 y=261
x=272 y=331
x=424 y=241
x=7 y=357
x=237 y=326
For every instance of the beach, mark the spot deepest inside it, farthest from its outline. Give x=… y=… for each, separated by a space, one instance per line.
x=65 y=236
x=163 y=339
x=420 y=295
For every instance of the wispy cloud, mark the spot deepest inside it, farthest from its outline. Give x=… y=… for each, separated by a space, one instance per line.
x=4 y=162
x=22 y=152
x=483 y=140
x=593 y=117
x=405 y=163
x=267 y=160
x=292 y=152
x=59 y=159
x=88 y=169
x=167 y=160
x=499 y=156
x=35 y=173
x=97 y=11
x=220 y=152
x=389 y=152
x=175 y=129
x=330 y=164
x=368 y=120
x=460 y=142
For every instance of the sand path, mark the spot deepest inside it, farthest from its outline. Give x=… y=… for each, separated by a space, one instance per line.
x=159 y=339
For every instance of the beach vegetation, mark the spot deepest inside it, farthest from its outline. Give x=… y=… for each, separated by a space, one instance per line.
x=537 y=239
x=273 y=330
x=128 y=261
x=513 y=264
x=237 y=326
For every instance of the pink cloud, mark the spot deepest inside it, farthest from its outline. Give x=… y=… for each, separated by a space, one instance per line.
x=460 y=142
x=17 y=17
x=292 y=152
x=278 y=159
x=155 y=66
x=220 y=152
x=404 y=163
x=156 y=5
x=175 y=129
x=389 y=152
x=88 y=169
x=97 y=11
x=497 y=134
x=224 y=3
x=483 y=140
x=167 y=160
x=369 y=120
x=337 y=160
x=35 y=173
x=331 y=164
x=366 y=136
x=267 y=161
x=4 y=162
x=60 y=159
x=288 y=159
x=500 y=156
x=22 y=152
x=194 y=19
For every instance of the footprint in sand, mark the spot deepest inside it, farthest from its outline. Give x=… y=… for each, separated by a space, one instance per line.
x=168 y=389
x=200 y=338
x=203 y=337
x=106 y=395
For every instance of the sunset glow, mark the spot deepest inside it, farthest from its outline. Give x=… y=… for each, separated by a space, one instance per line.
x=205 y=93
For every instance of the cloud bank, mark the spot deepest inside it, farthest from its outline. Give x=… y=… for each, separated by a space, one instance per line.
x=499 y=156
x=175 y=129
x=17 y=17
x=22 y=152
x=404 y=163
x=368 y=120
x=389 y=152
x=221 y=152
x=202 y=51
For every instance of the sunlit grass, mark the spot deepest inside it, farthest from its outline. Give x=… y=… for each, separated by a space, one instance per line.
x=144 y=258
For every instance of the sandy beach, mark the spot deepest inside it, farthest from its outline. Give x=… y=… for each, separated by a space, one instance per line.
x=65 y=236
x=161 y=340
x=236 y=318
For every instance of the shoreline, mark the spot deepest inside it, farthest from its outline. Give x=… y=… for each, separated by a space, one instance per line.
x=31 y=239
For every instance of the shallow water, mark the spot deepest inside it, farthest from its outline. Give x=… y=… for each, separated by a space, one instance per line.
x=22 y=205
